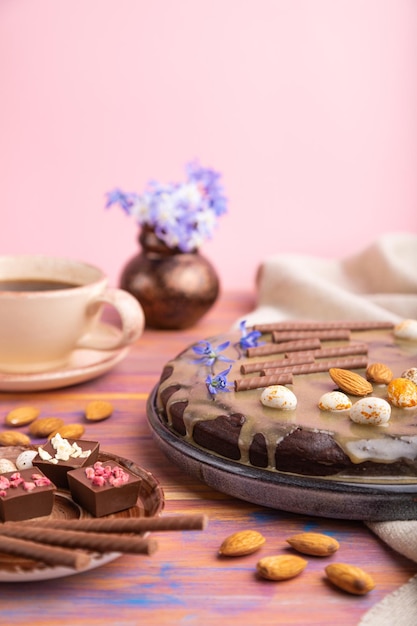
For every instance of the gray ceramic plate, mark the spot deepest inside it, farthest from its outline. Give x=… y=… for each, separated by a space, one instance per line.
x=288 y=492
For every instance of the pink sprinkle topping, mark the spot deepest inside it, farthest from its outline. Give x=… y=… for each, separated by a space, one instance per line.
x=100 y=475
x=28 y=486
x=4 y=482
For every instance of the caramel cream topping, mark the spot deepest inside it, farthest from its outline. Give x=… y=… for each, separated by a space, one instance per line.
x=360 y=442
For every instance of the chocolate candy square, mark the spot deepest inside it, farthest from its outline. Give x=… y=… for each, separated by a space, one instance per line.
x=25 y=494
x=59 y=463
x=104 y=488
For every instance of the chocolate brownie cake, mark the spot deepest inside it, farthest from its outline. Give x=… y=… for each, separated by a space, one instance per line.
x=333 y=399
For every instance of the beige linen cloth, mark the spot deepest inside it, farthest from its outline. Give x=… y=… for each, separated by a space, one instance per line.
x=378 y=283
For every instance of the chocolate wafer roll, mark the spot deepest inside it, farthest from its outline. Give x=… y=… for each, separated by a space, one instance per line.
x=311 y=325
x=97 y=542
x=338 y=334
x=250 y=368
x=124 y=524
x=49 y=555
x=348 y=350
x=280 y=348
x=350 y=363
x=257 y=382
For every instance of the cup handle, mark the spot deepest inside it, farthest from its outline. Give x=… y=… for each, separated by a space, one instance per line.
x=131 y=316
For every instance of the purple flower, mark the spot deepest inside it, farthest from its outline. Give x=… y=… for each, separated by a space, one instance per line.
x=248 y=339
x=210 y=355
x=183 y=215
x=126 y=200
x=218 y=383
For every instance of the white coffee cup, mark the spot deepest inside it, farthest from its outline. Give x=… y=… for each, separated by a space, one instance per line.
x=51 y=306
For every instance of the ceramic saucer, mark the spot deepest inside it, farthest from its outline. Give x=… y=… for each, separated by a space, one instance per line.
x=82 y=366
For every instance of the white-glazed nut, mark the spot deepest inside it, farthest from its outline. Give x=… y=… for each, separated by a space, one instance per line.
x=7 y=466
x=372 y=411
x=24 y=460
x=411 y=374
x=407 y=329
x=334 y=401
x=279 y=397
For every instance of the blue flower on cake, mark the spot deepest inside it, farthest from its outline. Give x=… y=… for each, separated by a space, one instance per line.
x=218 y=383
x=209 y=354
x=249 y=339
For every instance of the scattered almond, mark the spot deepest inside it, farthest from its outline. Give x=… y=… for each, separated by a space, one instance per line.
x=316 y=544
x=69 y=431
x=241 y=543
x=402 y=393
x=280 y=567
x=379 y=373
x=21 y=416
x=350 y=382
x=350 y=578
x=13 y=438
x=44 y=426
x=98 y=410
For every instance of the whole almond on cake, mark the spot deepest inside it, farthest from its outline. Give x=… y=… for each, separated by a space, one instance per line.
x=350 y=382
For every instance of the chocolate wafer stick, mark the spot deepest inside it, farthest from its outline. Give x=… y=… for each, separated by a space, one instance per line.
x=49 y=555
x=348 y=350
x=124 y=524
x=249 y=368
x=319 y=366
x=280 y=348
x=312 y=325
x=338 y=334
x=97 y=542
x=257 y=382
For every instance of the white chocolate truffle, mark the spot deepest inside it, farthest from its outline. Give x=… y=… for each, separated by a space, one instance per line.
x=334 y=401
x=279 y=397
x=407 y=329
x=24 y=460
x=372 y=411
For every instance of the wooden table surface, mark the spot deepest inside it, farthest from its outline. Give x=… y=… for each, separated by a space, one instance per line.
x=185 y=582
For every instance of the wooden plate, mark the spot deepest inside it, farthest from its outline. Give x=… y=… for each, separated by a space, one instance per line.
x=150 y=503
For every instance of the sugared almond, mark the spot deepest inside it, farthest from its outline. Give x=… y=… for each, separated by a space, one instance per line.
x=402 y=393
x=371 y=411
x=315 y=544
x=281 y=567
x=411 y=373
x=350 y=578
x=334 y=401
x=350 y=382
x=241 y=543
x=379 y=373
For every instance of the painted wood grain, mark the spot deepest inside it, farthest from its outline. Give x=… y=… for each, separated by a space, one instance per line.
x=185 y=582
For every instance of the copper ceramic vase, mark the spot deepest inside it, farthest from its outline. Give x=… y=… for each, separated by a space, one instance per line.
x=175 y=288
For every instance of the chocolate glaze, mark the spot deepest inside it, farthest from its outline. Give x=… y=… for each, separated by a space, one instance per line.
x=306 y=441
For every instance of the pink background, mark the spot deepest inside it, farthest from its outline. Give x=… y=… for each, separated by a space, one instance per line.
x=307 y=107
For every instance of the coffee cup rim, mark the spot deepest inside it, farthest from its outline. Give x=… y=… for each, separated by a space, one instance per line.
x=62 y=268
